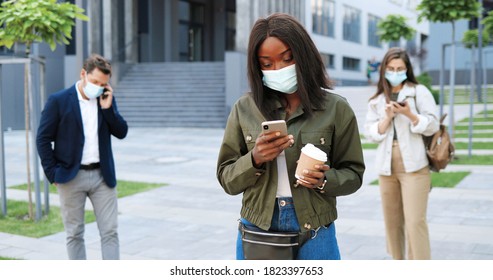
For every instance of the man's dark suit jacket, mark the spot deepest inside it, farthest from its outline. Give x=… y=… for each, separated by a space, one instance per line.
x=61 y=123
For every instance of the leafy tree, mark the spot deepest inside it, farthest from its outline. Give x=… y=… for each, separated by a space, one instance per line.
x=471 y=38
x=448 y=11
x=393 y=28
x=488 y=25
x=30 y=21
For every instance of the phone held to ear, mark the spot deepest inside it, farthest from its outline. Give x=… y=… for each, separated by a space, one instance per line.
x=278 y=125
x=104 y=93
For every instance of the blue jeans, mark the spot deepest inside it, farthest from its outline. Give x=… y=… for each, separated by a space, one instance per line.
x=321 y=246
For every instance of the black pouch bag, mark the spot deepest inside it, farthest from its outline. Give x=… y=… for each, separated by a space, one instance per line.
x=259 y=244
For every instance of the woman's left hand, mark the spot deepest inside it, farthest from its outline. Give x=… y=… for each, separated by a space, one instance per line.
x=313 y=178
x=401 y=109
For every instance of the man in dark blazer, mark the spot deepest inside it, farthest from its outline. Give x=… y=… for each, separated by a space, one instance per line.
x=79 y=121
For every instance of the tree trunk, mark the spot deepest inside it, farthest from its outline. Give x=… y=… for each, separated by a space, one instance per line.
x=27 y=118
x=452 y=85
x=28 y=163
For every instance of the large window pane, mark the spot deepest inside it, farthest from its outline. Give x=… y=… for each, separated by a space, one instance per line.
x=373 y=38
x=323 y=17
x=351 y=24
x=350 y=64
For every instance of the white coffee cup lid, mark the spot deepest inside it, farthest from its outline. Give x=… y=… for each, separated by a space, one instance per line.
x=314 y=152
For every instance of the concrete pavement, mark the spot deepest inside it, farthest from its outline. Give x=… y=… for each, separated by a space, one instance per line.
x=192 y=218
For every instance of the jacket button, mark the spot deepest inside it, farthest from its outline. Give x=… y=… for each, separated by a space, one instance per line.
x=249 y=138
x=307 y=226
x=322 y=141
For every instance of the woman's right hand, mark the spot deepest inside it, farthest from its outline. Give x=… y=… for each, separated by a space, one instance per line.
x=384 y=123
x=269 y=145
x=389 y=110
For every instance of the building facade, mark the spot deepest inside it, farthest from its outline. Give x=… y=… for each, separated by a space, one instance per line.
x=161 y=31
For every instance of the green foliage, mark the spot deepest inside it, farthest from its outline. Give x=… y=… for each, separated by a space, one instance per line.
x=29 y=21
x=471 y=39
x=426 y=80
x=488 y=25
x=447 y=10
x=393 y=28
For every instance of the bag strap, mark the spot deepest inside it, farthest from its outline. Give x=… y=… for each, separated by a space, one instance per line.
x=417 y=109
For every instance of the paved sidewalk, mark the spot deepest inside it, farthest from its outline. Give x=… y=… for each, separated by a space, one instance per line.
x=192 y=218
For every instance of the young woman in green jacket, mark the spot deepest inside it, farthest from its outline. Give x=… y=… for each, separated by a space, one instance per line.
x=288 y=81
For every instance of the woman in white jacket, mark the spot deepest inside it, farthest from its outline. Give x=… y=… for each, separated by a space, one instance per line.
x=398 y=115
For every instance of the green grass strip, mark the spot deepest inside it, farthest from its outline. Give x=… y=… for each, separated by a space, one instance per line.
x=124 y=188
x=475 y=145
x=473 y=160
x=474 y=135
x=442 y=179
x=17 y=222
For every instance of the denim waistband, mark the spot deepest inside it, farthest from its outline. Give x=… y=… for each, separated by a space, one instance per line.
x=285 y=202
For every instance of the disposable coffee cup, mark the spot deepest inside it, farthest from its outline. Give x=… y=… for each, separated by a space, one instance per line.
x=309 y=157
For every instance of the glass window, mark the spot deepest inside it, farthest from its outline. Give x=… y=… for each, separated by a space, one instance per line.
x=373 y=38
x=351 y=24
x=411 y=45
x=323 y=17
x=328 y=60
x=350 y=64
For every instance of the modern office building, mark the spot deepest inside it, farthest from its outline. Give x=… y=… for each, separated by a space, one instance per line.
x=166 y=53
x=440 y=39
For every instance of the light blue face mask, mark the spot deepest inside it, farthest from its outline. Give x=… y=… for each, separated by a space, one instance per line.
x=92 y=91
x=395 y=78
x=283 y=80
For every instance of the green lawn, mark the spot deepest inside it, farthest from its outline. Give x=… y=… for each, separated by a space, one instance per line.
x=474 y=135
x=461 y=95
x=124 y=188
x=443 y=179
x=475 y=145
x=473 y=160
x=17 y=222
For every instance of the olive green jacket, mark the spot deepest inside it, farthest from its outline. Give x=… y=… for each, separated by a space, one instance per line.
x=334 y=130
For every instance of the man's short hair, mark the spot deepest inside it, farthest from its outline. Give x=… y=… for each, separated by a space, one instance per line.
x=97 y=61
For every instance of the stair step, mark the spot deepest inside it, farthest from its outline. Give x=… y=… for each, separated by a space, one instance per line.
x=173 y=94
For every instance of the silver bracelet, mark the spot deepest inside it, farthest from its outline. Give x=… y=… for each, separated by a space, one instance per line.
x=321 y=187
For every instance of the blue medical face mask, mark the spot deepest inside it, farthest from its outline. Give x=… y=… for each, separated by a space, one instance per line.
x=92 y=91
x=283 y=80
x=395 y=78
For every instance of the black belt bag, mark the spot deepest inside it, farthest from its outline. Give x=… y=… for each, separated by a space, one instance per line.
x=259 y=244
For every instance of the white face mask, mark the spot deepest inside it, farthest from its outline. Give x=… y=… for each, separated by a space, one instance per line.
x=92 y=91
x=283 y=80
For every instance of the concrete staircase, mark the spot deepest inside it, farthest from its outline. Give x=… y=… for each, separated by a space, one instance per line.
x=173 y=94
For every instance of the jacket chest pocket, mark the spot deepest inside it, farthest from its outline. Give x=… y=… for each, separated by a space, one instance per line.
x=250 y=136
x=320 y=139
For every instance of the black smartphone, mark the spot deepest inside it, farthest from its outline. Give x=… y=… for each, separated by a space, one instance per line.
x=104 y=93
x=402 y=103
